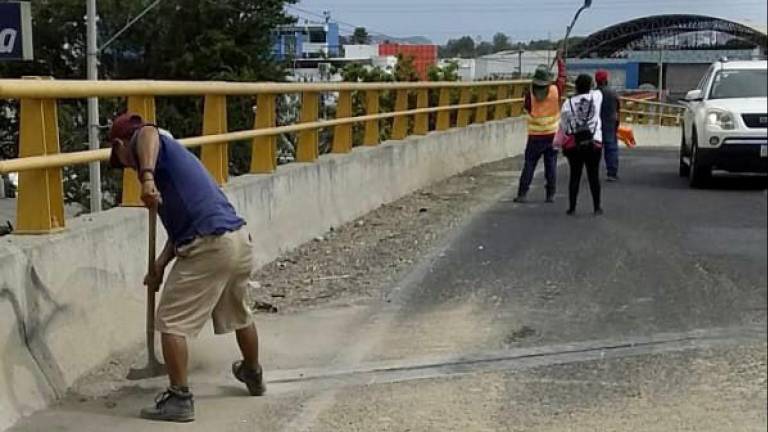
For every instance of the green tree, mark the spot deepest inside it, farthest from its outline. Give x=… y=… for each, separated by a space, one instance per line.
x=405 y=71
x=501 y=42
x=484 y=48
x=463 y=47
x=178 y=40
x=360 y=36
x=448 y=72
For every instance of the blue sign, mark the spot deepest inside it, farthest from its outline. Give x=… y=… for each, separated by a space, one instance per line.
x=15 y=31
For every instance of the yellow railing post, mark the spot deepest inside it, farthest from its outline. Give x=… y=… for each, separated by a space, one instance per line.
x=500 y=112
x=307 y=146
x=40 y=205
x=481 y=114
x=517 y=108
x=215 y=157
x=264 y=149
x=400 y=124
x=372 y=137
x=629 y=117
x=342 y=135
x=421 y=124
x=465 y=97
x=145 y=107
x=444 y=117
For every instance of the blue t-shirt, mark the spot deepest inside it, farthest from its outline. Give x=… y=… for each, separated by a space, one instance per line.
x=193 y=204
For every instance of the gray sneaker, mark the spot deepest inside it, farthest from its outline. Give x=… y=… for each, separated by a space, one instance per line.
x=253 y=379
x=174 y=405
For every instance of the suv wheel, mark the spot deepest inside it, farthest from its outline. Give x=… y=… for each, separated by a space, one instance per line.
x=685 y=169
x=699 y=174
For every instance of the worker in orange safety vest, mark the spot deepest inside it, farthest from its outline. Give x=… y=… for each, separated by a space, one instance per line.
x=542 y=103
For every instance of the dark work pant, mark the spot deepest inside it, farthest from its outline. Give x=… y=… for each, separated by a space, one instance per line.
x=577 y=159
x=534 y=150
x=611 y=148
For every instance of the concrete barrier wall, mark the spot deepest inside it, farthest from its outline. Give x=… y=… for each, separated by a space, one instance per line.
x=655 y=136
x=70 y=301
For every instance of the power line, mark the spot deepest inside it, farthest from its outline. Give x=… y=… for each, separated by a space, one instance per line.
x=346 y=24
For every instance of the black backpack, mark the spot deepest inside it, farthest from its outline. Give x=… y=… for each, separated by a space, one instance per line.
x=584 y=137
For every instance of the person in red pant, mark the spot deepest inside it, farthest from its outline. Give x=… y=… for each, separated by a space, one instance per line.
x=542 y=103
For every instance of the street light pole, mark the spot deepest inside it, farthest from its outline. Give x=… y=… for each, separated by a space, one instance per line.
x=587 y=4
x=661 y=73
x=93 y=104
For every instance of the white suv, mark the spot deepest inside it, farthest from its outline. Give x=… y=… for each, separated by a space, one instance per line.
x=726 y=122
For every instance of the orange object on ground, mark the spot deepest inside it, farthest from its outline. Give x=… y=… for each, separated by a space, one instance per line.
x=626 y=136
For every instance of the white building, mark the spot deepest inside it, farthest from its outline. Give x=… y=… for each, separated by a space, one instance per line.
x=501 y=65
x=511 y=64
x=361 y=51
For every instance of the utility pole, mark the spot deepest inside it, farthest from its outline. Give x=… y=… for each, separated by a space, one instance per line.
x=549 y=38
x=92 y=63
x=93 y=104
x=520 y=63
x=661 y=72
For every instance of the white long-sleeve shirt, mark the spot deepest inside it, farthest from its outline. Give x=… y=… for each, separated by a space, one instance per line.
x=581 y=103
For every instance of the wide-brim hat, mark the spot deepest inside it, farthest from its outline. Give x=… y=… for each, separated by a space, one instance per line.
x=541 y=77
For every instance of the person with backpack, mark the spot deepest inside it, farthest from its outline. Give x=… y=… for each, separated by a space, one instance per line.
x=542 y=103
x=580 y=121
x=610 y=112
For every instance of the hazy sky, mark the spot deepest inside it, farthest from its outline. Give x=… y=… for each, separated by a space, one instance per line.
x=440 y=20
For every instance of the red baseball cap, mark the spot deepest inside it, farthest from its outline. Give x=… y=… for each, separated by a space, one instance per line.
x=123 y=128
x=601 y=76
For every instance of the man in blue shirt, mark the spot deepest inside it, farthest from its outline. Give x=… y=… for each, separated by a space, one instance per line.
x=610 y=113
x=212 y=252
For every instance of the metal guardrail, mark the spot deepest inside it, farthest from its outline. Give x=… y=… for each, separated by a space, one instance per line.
x=40 y=206
x=637 y=111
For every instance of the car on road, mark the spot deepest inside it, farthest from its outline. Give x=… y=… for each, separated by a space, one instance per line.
x=725 y=125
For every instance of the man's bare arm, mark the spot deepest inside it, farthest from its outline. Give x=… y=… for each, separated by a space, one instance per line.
x=147 y=149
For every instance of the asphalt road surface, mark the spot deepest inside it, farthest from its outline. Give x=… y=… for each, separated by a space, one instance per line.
x=649 y=318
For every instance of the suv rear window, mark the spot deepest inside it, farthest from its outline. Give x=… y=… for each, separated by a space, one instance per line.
x=744 y=83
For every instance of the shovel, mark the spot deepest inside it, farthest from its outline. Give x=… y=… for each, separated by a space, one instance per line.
x=154 y=368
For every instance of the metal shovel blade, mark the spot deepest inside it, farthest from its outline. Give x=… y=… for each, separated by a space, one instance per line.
x=153 y=369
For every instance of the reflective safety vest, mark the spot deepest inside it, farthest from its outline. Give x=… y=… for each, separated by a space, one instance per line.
x=544 y=117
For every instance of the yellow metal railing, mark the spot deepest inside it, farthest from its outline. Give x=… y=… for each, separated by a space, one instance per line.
x=40 y=207
x=650 y=113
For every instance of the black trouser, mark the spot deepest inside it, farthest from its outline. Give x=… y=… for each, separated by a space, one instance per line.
x=577 y=158
x=534 y=150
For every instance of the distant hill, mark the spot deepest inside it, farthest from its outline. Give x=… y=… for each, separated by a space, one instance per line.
x=405 y=40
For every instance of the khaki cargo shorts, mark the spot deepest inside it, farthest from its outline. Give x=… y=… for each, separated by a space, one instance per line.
x=209 y=279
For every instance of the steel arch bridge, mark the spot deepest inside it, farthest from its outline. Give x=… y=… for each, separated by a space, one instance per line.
x=614 y=39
